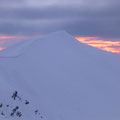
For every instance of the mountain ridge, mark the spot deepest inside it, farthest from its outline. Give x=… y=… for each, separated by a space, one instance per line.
x=61 y=78
x=19 y=48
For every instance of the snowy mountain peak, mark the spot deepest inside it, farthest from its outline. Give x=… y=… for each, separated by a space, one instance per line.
x=19 y=48
x=61 y=78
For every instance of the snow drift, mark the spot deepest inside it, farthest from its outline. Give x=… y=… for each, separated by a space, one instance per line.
x=61 y=78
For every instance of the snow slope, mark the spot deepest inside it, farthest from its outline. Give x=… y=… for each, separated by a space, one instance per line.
x=64 y=79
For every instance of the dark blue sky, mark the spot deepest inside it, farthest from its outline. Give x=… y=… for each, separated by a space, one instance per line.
x=78 y=17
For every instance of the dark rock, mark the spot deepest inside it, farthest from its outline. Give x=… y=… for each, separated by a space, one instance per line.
x=19 y=114
x=36 y=111
x=2 y=113
x=1 y=105
x=7 y=105
x=26 y=102
x=14 y=95
x=12 y=114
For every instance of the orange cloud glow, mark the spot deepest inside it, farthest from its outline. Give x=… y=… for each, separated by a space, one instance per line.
x=16 y=37
x=1 y=48
x=8 y=37
x=13 y=39
x=109 y=46
x=3 y=40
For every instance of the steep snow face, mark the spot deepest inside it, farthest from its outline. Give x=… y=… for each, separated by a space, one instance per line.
x=17 y=49
x=64 y=79
x=15 y=107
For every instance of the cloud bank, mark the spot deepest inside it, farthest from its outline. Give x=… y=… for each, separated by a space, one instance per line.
x=79 y=17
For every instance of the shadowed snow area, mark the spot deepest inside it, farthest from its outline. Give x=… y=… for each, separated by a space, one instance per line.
x=60 y=77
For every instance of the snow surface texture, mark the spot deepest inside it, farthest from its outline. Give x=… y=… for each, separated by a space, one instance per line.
x=61 y=78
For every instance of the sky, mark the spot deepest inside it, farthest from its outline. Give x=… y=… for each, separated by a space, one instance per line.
x=80 y=18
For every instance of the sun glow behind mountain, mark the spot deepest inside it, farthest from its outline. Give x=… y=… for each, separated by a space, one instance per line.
x=6 y=41
x=109 y=46
x=10 y=40
x=8 y=37
x=1 y=48
x=13 y=37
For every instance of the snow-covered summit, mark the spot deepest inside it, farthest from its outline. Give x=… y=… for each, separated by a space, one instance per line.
x=64 y=79
x=17 y=49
